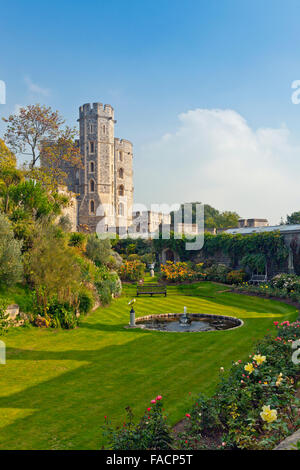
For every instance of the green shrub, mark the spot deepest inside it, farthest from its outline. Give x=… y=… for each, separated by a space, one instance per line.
x=104 y=291
x=86 y=301
x=56 y=314
x=236 y=277
x=77 y=239
x=217 y=272
x=133 y=257
x=98 y=250
x=151 y=433
x=4 y=317
x=11 y=268
x=289 y=282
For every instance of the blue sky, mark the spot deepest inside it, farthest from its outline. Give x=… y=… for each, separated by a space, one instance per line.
x=155 y=61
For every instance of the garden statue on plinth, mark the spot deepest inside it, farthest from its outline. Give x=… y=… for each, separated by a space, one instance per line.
x=132 y=314
x=151 y=267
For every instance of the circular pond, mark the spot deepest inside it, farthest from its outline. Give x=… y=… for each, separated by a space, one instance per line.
x=193 y=322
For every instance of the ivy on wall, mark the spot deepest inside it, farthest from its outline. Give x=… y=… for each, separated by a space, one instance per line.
x=268 y=244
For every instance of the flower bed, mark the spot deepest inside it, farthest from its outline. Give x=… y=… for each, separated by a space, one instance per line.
x=282 y=286
x=181 y=271
x=132 y=270
x=254 y=406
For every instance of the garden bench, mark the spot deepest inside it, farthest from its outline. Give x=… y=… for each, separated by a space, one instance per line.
x=258 y=278
x=151 y=289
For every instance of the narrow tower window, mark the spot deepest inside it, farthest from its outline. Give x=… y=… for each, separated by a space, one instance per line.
x=121 y=190
x=92 y=186
x=121 y=209
x=121 y=173
x=92 y=147
x=120 y=156
x=92 y=207
x=92 y=167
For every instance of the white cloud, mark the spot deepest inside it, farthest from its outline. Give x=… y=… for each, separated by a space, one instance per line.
x=216 y=158
x=36 y=89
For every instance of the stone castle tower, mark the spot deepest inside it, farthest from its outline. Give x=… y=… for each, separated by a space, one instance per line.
x=105 y=183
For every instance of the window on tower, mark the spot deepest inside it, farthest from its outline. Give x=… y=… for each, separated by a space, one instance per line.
x=92 y=147
x=121 y=190
x=92 y=207
x=92 y=186
x=121 y=209
x=121 y=173
x=92 y=167
x=77 y=176
x=120 y=156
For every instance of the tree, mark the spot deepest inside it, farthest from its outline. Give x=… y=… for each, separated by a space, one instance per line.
x=227 y=219
x=212 y=217
x=37 y=131
x=11 y=267
x=98 y=250
x=9 y=175
x=51 y=266
x=294 y=218
x=29 y=203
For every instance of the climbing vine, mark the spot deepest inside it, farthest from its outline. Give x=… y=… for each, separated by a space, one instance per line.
x=269 y=245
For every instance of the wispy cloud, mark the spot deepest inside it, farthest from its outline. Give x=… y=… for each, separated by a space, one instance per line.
x=215 y=157
x=35 y=88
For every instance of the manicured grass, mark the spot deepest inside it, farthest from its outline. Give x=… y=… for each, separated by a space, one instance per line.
x=57 y=385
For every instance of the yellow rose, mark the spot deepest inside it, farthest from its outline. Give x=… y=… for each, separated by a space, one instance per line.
x=259 y=359
x=268 y=415
x=279 y=379
x=249 y=367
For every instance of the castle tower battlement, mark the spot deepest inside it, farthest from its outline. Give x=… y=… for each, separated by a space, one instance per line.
x=104 y=110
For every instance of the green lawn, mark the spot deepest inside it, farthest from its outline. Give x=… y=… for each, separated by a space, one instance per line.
x=57 y=385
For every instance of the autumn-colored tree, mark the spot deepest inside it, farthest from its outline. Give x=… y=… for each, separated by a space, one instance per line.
x=9 y=175
x=37 y=131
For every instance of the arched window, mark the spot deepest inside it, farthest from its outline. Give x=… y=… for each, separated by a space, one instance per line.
x=121 y=173
x=92 y=147
x=104 y=129
x=121 y=190
x=92 y=186
x=92 y=207
x=121 y=209
x=92 y=167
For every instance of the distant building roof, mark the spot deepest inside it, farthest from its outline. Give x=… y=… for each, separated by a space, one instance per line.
x=280 y=228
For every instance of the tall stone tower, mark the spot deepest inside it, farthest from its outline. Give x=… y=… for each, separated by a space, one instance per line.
x=105 y=183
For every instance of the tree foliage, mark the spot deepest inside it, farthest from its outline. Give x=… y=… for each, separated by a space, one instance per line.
x=37 y=131
x=294 y=218
x=11 y=267
x=51 y=267
x=98 y=250
x=212 y=217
